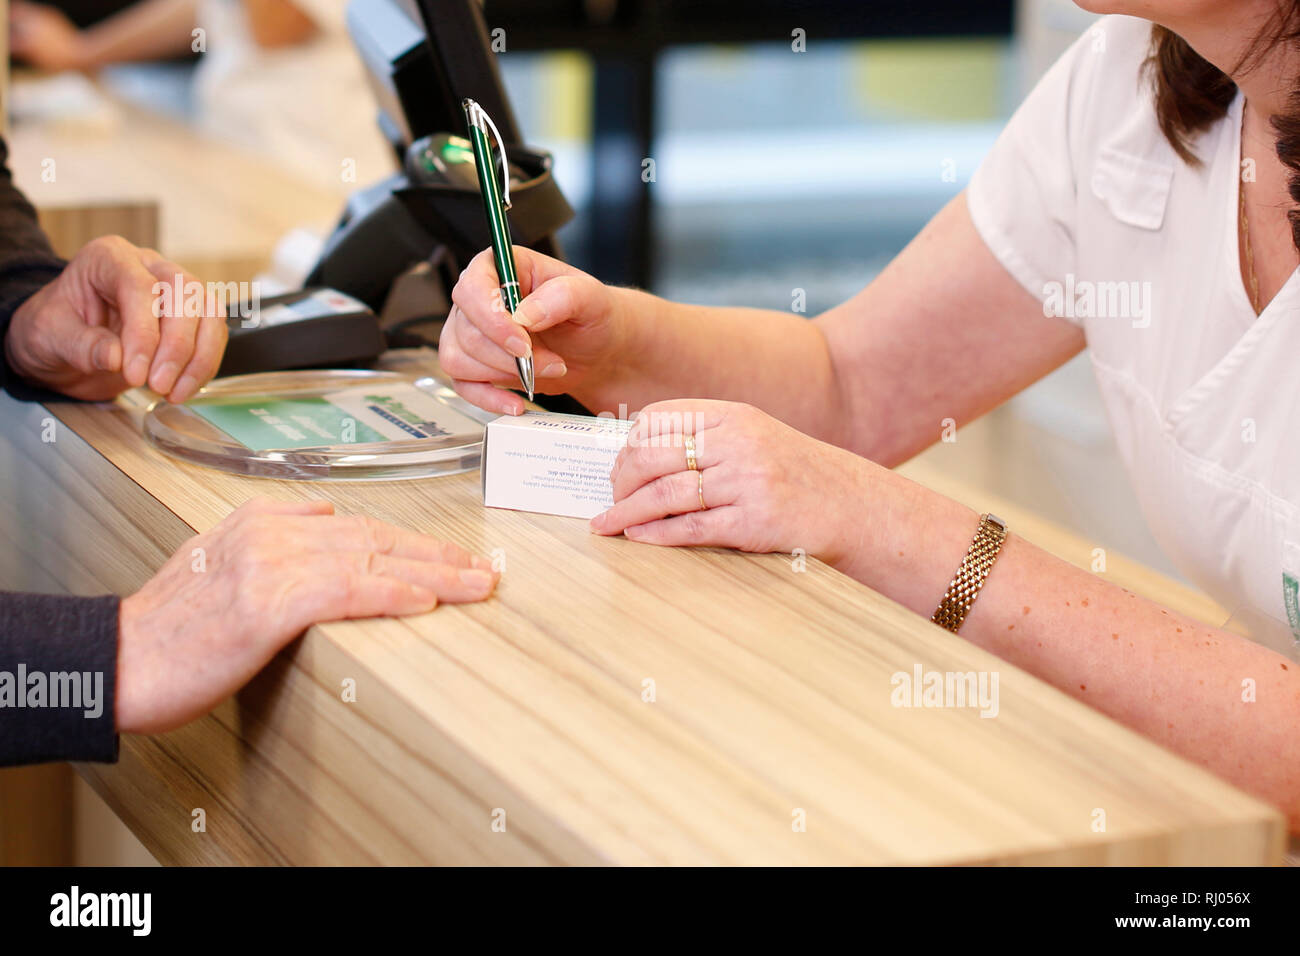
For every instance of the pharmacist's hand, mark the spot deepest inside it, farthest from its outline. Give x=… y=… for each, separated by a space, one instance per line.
x=767 y=486
x=229 y=599
x=43 y=36
x=570 y=321
x=104 y=324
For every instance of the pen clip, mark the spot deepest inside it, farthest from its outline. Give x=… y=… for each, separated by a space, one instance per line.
x=477 y=114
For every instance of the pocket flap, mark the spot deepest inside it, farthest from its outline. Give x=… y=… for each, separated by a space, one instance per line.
x=1135 y=190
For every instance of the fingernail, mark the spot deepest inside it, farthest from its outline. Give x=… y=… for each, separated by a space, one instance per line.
x=518 y=347
x=598 y=522
x=165 y=376
x=484 y=564
x=525 y=318
x=104 y=356
x=188 y=385
x=138 y=370
x=555 y=370
x=475 y=579
x=633 y=532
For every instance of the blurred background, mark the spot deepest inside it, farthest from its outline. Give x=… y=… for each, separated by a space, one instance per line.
x=796 y=147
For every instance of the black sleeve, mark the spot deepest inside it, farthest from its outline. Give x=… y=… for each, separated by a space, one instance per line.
x=58 y=655
x=58 y=678
x=26 y=260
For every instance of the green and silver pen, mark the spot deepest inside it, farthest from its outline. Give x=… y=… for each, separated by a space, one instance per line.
x=496 y=200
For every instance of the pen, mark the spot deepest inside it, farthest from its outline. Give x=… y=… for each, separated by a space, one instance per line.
x=495 y=203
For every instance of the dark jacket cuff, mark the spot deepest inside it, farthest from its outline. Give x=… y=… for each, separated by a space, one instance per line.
x=58 y=678
x=16 y=291
x=22 y=279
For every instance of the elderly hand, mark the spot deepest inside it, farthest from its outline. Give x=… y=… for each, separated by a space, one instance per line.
x=229 y=599
x=100 y=327
x=767 y=486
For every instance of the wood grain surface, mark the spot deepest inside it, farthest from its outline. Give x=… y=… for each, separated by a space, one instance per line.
x=771 y=704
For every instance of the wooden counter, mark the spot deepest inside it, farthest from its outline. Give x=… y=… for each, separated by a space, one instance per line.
x=771 y=702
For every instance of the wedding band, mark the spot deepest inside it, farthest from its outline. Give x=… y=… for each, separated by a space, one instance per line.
x=691 y=463
x=703 y=506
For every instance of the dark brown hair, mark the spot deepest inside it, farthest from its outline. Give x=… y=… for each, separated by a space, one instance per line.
x=1192 y=94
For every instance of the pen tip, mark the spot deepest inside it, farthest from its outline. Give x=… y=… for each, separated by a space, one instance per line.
x=525 y=366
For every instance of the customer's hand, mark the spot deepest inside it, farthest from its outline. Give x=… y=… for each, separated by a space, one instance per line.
x=229 y=599
x=571 y=322
x=43 y=36
x=100 y=327
x=768 y=487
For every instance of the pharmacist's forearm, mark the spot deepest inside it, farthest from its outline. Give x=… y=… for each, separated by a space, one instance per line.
x=149 y=30
x=1219 y=699
x=773 y=360
x=277 y=23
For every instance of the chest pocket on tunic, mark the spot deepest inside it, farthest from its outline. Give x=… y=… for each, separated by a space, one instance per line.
x=1134 y=189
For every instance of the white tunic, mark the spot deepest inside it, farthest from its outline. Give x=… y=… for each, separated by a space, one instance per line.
x=306 y=106
x=1090 y=209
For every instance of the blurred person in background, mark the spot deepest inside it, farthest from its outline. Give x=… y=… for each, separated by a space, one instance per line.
x=277 y=76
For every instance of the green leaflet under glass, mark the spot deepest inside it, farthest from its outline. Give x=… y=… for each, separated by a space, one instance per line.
x=331 y=425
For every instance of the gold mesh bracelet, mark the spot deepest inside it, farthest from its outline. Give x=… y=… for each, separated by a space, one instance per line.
x=975 y=567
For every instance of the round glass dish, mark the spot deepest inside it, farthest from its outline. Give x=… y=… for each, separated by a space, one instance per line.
x=184 y=432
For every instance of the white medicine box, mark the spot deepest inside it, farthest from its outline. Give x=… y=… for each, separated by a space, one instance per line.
x=551 y=463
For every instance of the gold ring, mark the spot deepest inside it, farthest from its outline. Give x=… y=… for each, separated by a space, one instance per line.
x=691 y=463
x=703 y=506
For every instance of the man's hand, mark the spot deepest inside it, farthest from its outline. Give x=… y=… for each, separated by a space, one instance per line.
x=98 y=328
x=229 y=599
